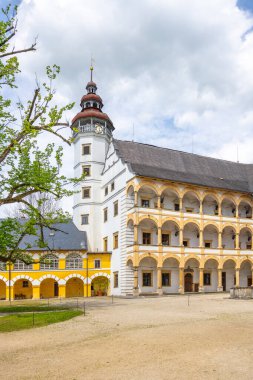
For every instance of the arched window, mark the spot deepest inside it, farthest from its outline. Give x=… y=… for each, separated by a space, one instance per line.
x=94 y=104
x=88 y=104
x=20 y=265
x=74 y=261
x=49 y=262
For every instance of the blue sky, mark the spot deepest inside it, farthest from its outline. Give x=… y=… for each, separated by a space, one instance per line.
x=245 y=4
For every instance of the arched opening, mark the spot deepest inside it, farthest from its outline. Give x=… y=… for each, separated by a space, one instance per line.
x=130 y=198
x=99 y=286
x=21 y=266
x=246 y=273
x=210 y=205
x=191 y=275
x=169 y=200
x=228 y=208
x=210 y=276
x=147 y=232
x=245 y=238
x=74 y=287
x=147 y=197
x=130 y=233
x=170 y=275
x=191 y=235
x=49 y=288
x=228 y=275
x=23 y=289
x=49 y=262
x=147 y=275
x=74 y=261
x=191 y=203
x=245 y=210
x=228 y=238
x=2 y=290
x=170 y=234
x=210 y=236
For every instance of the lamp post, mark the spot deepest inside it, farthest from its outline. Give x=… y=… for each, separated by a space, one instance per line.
x=9 y=271
x=82 y=245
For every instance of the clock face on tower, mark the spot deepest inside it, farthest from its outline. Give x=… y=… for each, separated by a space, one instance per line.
x=99 y=129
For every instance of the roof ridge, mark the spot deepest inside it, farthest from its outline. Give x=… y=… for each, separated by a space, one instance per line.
x=181 y=151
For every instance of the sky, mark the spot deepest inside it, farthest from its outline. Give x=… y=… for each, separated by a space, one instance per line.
x=176 y=72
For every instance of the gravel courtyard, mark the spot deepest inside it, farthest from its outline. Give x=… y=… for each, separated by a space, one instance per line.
x=146 y=338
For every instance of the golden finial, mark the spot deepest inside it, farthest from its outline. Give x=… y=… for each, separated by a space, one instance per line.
x=91 y=67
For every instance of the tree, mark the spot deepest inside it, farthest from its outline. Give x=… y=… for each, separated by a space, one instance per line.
x=25 y=169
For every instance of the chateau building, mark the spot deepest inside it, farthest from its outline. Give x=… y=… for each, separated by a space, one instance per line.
x=64 y=269
x=174 y=222
x=147 y=220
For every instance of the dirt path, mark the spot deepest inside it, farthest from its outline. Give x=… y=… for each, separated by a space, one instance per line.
x=151 y=338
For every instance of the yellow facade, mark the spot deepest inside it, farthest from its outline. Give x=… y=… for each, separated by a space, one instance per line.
x=60 y=281
x=232 y=213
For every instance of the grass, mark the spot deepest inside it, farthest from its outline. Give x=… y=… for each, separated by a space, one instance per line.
x=21 y=321
x=27 y=308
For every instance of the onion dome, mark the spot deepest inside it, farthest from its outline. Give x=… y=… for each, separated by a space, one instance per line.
x=92 y=104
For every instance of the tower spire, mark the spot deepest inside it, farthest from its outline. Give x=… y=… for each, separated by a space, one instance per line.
x=91 y=68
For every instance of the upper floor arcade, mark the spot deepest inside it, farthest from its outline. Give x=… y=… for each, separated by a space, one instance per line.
x=177 y=199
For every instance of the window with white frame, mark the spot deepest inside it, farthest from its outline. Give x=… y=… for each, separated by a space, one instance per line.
x=85 y=149
x=49 y=262
x=19 y=265
x=97 y=263
x=86 y=192
x=74 y=261
x=85 y=219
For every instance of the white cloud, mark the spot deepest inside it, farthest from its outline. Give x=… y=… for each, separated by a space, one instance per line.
x=179 y=70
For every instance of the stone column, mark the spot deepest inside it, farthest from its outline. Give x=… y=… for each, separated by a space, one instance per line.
x=201 y=207
x=136 y=282
x=181 y=237
x=220 y=240
x=237 y=211
x=136 y=199
x=135 y=234
x=181 y=281
x=237 y=277
x=62 y=291
x=201 y=280
x=201 y=238
x=159 y=281
x=180 y=204
x=159 y=202
x=36 y=292
x=237 y=246
x=220 y=287
x=159 y=235
x=219 y=210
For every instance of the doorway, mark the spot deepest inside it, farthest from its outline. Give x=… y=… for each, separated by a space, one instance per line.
x=56 y=289
x=188 y=281
x=224 y=284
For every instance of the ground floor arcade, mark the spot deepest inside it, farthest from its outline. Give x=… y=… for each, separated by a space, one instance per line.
x=27 y=286
x=195 y=275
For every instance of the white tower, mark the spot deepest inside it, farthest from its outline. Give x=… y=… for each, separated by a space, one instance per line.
x=92 y=134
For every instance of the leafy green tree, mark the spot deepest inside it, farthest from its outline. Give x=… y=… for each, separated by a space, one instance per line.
x=26 y=169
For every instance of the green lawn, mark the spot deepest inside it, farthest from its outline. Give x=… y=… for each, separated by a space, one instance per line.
x=16 y=322
x=27 y=308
